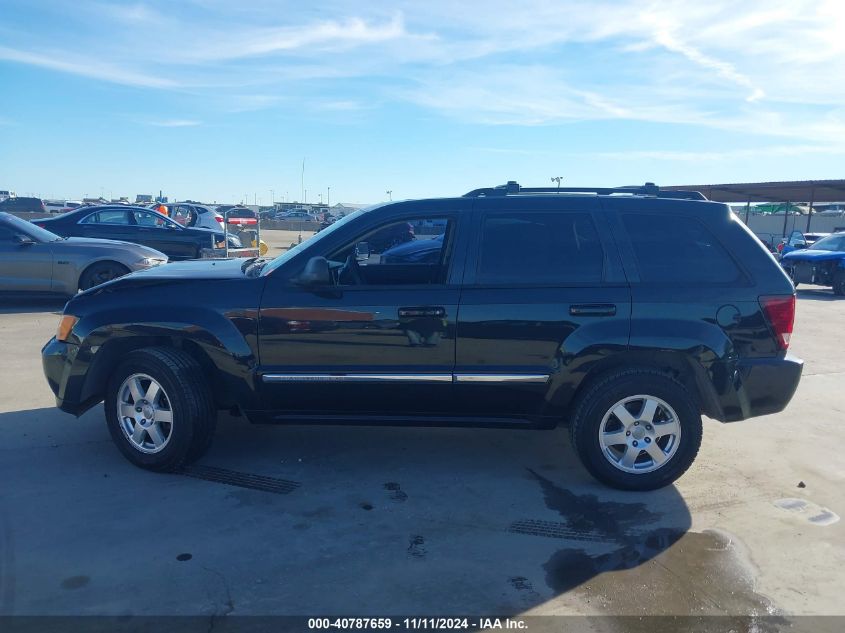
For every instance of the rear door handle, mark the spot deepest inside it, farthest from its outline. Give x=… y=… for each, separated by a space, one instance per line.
x=592 y=309
x=422 y=311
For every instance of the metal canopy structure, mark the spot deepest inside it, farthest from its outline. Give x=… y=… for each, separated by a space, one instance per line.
x=800 y=191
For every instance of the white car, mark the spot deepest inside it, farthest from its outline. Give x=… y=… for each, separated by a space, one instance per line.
x=61 y=206
x=195 y=215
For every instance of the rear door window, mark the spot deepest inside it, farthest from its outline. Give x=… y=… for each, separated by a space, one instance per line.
x=528 y=248
x=678 y=250
x=107 y=216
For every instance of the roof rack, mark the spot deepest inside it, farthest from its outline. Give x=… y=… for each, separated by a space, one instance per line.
x=512 y=188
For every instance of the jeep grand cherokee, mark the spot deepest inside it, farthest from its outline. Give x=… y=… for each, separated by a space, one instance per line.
x=624 y=313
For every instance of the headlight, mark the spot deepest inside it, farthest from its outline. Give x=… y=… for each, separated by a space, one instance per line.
x=65 y=326
x=150 y=261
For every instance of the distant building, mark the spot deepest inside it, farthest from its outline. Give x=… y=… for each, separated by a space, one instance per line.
x=142 y=198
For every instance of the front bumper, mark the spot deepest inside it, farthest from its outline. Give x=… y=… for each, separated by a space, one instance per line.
x=759 y=386
x=65 y=376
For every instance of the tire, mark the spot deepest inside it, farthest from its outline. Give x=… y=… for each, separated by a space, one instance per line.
x=630 y=388
x=839 y=283
x=100 y=273
x=183 y=396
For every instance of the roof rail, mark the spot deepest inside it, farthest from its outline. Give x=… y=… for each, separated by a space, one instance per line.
x=512 y=188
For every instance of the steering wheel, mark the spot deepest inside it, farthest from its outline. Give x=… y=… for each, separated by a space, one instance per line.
x=350 y=273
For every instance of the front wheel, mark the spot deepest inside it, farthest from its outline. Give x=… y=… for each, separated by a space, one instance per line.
x=159 y=409
x=636 y=429
x=100 y=273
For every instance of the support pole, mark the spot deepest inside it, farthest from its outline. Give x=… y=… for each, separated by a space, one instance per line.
x=785 y=217
x=810 y=212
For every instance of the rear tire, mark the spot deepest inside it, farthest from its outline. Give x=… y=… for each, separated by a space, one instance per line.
x=650 y=443
x=100 y=273
x=159 y=409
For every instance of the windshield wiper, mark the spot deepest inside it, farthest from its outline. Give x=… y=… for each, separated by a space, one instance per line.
x=254 y=265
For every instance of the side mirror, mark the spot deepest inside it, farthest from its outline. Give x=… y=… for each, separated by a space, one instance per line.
x=362 y=251
x=316 y=273
x=23 y=240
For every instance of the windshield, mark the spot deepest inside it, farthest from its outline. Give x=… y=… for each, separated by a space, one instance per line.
x=286 y=256
x=830 y=243
x=30 y=229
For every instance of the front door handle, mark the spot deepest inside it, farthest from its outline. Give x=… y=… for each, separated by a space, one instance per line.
x=422 y=311
x=592 y=309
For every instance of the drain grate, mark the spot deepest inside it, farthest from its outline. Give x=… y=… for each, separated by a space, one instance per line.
x=241 y=480
x=553 y=529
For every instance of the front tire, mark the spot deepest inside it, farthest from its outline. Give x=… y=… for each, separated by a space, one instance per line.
x=159 y=409
x=100 y=273
x=636 y=429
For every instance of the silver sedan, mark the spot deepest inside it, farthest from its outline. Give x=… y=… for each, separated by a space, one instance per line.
x=34 y=260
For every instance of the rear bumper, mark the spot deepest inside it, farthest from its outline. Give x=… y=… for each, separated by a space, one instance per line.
x=758 y=386
x=65 y=376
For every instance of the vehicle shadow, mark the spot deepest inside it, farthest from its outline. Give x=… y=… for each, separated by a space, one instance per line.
x=816 y=293
x=384 y=520
x=14 y=304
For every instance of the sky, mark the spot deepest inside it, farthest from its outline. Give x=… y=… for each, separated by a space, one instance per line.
x=222 y=101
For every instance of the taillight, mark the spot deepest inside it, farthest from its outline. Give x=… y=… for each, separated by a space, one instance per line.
x=780 y=313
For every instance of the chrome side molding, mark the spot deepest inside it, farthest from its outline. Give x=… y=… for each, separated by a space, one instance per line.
x=466 y=378
x=529 y=378
x=357 y=377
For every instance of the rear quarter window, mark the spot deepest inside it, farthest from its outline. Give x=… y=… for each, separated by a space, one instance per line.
x=673 y=249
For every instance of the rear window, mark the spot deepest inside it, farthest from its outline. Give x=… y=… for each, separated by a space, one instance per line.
x=677 y=249
x=539 y=248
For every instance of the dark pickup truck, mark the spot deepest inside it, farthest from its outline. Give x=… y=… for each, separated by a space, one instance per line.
x=624 y=313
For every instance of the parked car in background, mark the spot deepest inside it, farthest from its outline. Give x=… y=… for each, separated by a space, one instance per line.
x=22 y=204
x=138 y=225
x=61 y=206
x=415 y=252
x=34 y=260
x=193 y=215
x=293 y=216
x=533 y=313
x=822 y=264
x=236 y=211
x=798 y=240
x=5 y=194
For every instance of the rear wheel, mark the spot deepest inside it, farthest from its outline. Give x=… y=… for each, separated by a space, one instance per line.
x=100 y=273
x=839 y=283
x=159 y=409
x=636 y=429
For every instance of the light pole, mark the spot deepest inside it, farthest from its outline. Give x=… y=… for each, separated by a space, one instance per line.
x=389 y=193
x=557 y=179
x=272 y=198
x=329 y=197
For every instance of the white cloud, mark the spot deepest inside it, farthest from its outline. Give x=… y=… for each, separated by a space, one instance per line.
x=766 y=67
x=728 y=155
x=174 y=123
x=87 y=67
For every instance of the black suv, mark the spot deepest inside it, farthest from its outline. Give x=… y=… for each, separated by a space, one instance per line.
x=22 y=205
x=625 y=313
